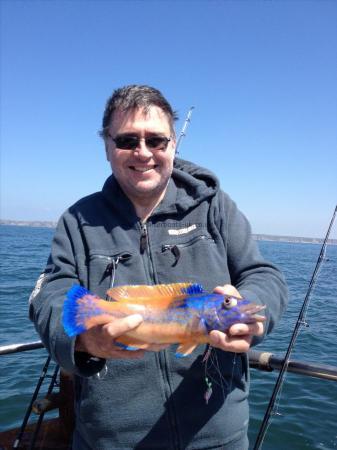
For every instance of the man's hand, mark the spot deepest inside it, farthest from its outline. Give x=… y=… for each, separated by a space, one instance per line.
x=238 y=338
x=100 y=340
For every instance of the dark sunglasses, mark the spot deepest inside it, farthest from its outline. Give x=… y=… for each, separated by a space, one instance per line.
x=131 y=142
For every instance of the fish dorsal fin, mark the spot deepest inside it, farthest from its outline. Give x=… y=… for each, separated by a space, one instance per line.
x=160 y=295
x=194 y=289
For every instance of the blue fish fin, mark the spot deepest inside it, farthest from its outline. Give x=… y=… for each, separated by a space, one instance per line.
x=185 y=349
x=131 y=348
x=75 y=312
x=193 y=289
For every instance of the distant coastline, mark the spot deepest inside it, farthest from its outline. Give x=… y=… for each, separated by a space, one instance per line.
x=295 y=239
x=27 y=223
x=257 y=237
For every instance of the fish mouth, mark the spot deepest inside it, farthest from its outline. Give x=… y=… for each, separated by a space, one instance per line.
x=252 y=309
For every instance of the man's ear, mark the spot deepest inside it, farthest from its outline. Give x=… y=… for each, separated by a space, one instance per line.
x=107 y=154
x=174 y=143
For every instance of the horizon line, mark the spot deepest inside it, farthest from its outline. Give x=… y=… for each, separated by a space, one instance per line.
x=256 y=236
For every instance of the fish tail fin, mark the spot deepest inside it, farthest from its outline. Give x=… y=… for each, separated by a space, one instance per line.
x=78 y=306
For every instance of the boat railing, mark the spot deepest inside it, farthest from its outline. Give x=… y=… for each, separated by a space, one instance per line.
x=57 y=432
x=261 y=360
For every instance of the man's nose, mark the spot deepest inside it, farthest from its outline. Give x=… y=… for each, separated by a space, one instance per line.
x=143 y=150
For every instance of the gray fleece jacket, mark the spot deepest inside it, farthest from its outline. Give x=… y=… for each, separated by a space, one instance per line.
x=196 y=234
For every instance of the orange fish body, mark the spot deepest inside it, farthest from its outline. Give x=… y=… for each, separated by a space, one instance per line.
x=180 y=313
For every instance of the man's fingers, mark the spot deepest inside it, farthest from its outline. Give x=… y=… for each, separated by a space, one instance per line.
x=99 y=340
x=121 y=326
x=238 y=338
x=227 y=289
x=227 y=343
x=242 y=329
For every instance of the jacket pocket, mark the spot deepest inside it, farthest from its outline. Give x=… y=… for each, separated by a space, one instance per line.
x=196 y=260
x=177 y=248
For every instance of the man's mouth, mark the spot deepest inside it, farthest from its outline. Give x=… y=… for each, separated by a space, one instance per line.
x=142 y=169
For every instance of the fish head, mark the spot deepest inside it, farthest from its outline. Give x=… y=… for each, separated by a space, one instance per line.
x=231 y=310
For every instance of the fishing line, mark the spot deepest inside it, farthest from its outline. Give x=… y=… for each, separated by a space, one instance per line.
x=233 y=370
x=211 y=361
x=300 y=321
x=222 y=381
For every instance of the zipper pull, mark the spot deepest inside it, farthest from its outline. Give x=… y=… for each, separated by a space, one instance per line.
x=110 y=269
x=143 y=238
x=174 y=250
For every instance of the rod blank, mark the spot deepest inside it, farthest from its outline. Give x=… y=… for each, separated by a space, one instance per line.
x=269 y=362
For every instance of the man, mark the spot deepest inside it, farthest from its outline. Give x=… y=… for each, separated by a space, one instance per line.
x=157 y=220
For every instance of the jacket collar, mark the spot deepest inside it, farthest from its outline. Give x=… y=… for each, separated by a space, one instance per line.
x=188 y=186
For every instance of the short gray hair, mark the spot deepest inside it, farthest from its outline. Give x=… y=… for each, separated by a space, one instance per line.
x=132 y=97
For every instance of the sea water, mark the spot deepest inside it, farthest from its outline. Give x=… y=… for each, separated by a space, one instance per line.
x=305 y=416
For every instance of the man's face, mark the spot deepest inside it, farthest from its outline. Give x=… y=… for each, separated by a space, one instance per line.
x=143 y=173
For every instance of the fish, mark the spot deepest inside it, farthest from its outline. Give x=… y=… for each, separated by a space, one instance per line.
x=177 y=313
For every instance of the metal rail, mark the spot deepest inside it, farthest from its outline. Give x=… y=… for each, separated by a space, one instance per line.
x=22 y=347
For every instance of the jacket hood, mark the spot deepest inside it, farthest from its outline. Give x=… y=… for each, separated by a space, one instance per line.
x=193 y=184
x=189 y=185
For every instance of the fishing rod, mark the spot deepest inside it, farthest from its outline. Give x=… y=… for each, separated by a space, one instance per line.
x=39 y=422
x=184 y=128
x=30 y=406
x=268 y=362
x=300 y=321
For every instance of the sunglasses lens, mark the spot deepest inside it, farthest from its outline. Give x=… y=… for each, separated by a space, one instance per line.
x=156 y=142
x=126 y=142
x=131 y=142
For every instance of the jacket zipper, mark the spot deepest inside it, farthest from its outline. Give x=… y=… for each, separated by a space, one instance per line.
x=185 y=244
x=146 y=253
x=145 y=250
x=143 y=238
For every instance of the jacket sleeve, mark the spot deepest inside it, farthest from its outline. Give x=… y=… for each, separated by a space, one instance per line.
x=255 y=278
x=46 y=301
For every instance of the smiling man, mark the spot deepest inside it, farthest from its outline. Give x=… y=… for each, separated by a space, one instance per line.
x=140 y=146
x=158 y=219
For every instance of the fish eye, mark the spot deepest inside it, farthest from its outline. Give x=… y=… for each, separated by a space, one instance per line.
x=230 y=302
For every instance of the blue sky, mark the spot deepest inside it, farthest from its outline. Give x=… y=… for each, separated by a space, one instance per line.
x=262 y=76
